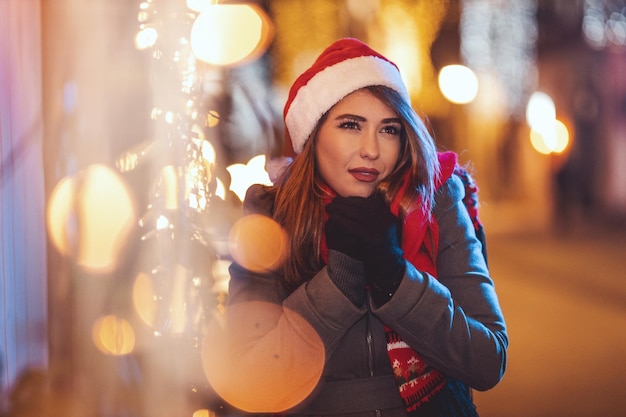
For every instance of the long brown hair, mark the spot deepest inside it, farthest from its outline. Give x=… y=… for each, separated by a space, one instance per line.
x=299 y=191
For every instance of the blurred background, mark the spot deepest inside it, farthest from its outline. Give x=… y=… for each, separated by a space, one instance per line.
x=131 y=129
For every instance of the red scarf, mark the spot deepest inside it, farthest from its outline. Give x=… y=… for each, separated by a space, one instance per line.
x=417 y=381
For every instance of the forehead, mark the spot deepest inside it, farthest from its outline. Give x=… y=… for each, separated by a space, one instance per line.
x=363 y=100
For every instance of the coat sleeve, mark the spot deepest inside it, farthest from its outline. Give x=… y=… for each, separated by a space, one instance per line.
x=455 y=322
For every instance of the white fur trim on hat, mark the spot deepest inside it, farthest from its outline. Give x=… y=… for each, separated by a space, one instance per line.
x=332 y=84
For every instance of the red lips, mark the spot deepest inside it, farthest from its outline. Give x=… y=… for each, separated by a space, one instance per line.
x=364 y=174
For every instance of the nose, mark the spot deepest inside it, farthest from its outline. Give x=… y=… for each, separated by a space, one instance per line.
x=369 y=145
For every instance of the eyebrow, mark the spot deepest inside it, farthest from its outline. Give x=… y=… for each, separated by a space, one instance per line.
x=363 y=119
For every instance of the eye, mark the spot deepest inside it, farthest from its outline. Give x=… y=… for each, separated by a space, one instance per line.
x=350 y=124
x=392 y=129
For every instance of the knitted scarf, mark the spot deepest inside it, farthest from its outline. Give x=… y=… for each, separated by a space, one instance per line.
x=417 y=382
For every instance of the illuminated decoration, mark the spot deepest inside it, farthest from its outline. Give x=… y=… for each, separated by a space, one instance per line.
x=243 y=176
x=498 y=43
x=220 y=189
x=145 y=299
x=228 y=34
x=180 y=277
x=405 y=32
x=402 y=30
x=90 y=217
x=604 y=23
x=178 y=254
x=458 y=83
x=146 y=38
x=295 y=52
x=166 y=311
x=113 y=335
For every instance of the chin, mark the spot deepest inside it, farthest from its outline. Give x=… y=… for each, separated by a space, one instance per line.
x=357 y=192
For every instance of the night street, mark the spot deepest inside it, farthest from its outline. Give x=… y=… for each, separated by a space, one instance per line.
x=564 y=298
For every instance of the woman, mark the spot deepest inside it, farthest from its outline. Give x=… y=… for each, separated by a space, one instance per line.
x=383 y=265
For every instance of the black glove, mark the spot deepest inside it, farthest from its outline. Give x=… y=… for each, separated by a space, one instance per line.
x=345 y=271
x=366 y=230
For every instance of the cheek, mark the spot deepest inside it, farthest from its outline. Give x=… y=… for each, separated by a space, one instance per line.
x=391 y=152
x=329 y=166
x=330 y=155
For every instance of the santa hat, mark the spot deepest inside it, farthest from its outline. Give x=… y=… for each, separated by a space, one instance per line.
x=345 y=66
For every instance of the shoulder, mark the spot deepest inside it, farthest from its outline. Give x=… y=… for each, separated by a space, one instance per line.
x=449 y=194
x=259 y=200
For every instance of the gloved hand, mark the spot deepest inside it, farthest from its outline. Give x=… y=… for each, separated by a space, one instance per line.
x=366 y=230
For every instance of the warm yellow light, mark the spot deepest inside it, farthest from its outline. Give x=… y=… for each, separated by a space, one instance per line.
x=165 y=310
x=145 y=299
x=177 y=307
x=60 y=215
x=208 y=152
x=220 y=189
x=230 y=362
x=169 y=182
x=199 y=5
x=540 y=112
x=243 y=176
x=203 y=413
x=562 y=137
x=458 y=84
x=146 y=38
x=108 y=213
x=538 y=142
x=221 y=276
x=90 y=216
x=551 y=140
x=113 y=335
x=258 y=243
x=228 y=34
x=212 y=118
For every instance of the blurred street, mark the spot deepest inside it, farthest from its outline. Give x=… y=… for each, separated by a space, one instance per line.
x=564 y=298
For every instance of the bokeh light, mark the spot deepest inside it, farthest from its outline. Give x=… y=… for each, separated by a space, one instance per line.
x=169 y=181
x=145 y=299
x=90 y=217
x=243 y=176
x=276 y=372
x=203 y=413
x=220 y=189
x=212 y=118
x=113 y=335
x=562 y=137
x=228 y=34
x=554 y=140
x=540 y=111
x=146 y=38
x=538 y=142
x=458 y=84
x=258 y=243
x=60 y=217
x=199 y=5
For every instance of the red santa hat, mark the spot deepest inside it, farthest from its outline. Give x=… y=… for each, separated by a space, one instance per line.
x=344 y=67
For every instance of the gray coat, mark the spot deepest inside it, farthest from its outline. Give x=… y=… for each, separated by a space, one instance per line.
x=454 y=322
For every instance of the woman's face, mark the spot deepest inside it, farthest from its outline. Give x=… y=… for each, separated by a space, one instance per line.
x=358 y=144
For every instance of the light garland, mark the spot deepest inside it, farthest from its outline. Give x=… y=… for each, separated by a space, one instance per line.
x=604 y=23
x=186 y=190
x=498 y=44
